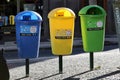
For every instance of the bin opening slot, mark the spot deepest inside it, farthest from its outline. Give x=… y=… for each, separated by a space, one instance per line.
x=26 y=17
x=94 y=11
x=60 y=14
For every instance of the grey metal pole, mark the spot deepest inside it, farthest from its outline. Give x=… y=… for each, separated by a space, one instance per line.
x=92 y=2
x=18 y=6
x=64 y=3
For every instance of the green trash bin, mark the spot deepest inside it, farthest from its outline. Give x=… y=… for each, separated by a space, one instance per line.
x=93 y=19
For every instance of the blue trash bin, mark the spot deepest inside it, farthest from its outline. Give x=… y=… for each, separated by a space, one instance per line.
x=28 y=29
x=1 y=21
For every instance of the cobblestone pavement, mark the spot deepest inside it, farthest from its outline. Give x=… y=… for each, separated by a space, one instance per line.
x=75 y=67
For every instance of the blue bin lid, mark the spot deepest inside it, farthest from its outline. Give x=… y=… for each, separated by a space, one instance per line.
x=27 y=16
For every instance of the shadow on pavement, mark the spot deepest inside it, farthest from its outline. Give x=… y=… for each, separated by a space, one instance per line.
x=79 y=50
x=11 y=55
x=49 y=76
x=106 y=75
x=21 y=78
x=14 y=63
x=71 y=77
x=110 y=45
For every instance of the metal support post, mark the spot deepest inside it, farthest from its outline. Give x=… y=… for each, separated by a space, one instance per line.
x=91 y=60
x=60 y=64
x=27 y=67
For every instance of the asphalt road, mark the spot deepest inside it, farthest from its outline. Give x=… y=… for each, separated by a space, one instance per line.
x=47 y=52
x=44 y=54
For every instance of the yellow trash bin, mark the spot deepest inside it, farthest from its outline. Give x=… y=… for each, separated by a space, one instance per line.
x=61 y=22
x=11 y=20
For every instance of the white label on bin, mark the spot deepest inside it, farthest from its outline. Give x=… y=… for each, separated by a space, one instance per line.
x=63 y=34
x=33 y=29
x=26 y=30
x=99 y=24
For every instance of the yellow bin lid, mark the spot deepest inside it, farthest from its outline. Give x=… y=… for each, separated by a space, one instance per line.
x=61 y=13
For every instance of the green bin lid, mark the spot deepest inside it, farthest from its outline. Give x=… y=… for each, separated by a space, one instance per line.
x=61 y=12
x=92 y=10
